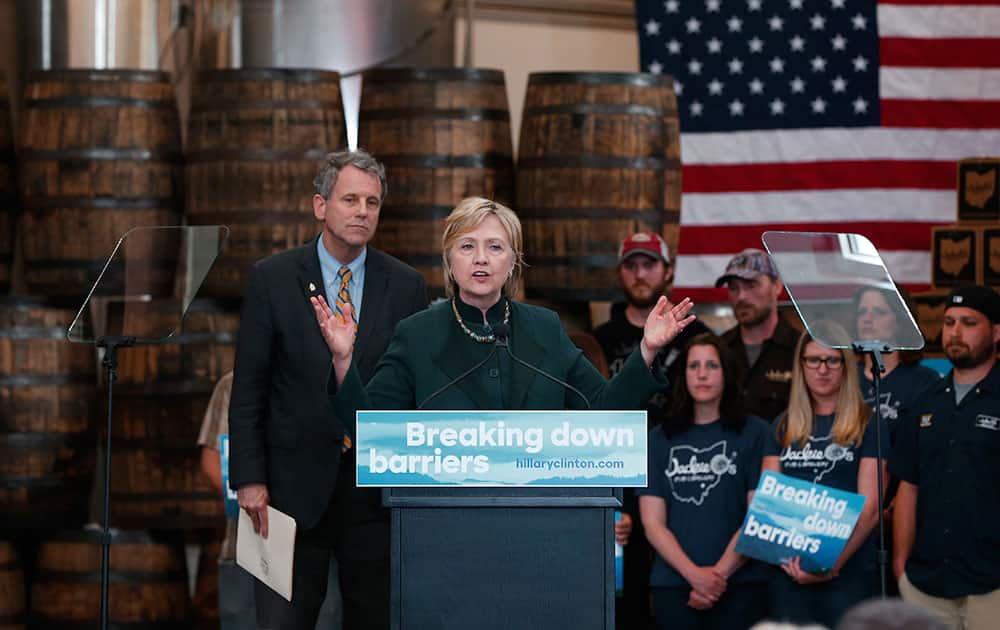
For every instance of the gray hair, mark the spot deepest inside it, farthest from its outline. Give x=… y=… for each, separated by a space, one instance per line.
x=890 y=614
x=360 y=159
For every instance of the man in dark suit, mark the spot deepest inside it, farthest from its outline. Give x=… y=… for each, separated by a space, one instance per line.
x=288 y=448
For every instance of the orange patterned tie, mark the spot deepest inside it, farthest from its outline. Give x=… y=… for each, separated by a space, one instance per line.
x=344 y=296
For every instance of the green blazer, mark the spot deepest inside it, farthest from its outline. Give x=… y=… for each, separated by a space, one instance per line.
x=429 y=349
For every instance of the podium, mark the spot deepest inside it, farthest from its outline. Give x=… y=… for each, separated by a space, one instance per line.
x=502 y=558
x=503 y=548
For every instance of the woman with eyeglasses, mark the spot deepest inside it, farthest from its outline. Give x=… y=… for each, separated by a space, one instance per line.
x=825 y=437
x=704 y=464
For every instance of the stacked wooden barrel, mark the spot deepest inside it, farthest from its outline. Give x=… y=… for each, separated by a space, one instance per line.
x=443 y=134
x=160 y=399
x=148 y=586
x=598 y=159
x=100 y=154
x=8 y=189
x=255 y=139
x=13 y=615
x=47 y=396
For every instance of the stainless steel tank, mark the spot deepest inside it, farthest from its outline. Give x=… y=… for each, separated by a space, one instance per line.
x=346 y=36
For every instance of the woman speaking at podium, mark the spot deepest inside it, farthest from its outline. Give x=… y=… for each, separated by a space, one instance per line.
x=480 y=349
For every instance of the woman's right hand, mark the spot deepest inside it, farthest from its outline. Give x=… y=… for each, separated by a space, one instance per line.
x=707 y=583
x=338 y=331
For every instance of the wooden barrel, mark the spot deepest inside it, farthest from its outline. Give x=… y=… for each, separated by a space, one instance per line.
x=443 y=134
x=100 y=154
x=12 y=601
x=598 y=159
x=205 y=600
x=160 y=400
x=47 y=396
x=8 y=188
x=148 y=583
x=256 y=138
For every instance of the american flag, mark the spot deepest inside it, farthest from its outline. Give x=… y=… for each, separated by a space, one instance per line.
x=823 y=115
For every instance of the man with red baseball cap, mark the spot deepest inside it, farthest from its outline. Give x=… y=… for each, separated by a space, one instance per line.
x=645 y=273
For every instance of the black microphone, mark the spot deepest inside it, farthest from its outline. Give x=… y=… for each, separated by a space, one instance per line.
x=460 y=376
x=502 y=331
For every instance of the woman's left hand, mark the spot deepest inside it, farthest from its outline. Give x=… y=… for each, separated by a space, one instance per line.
x=794 y=570
x=663 y=324
x=699 y=601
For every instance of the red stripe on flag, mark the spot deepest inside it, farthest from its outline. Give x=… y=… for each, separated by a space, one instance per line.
x=939 y=53
x=724 y=239
x=722 y=178
x=940 y=114
x=699 y=295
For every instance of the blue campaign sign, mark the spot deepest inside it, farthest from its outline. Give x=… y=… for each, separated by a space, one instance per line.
x=228 y=495
x=790 y=517
x=501 y=448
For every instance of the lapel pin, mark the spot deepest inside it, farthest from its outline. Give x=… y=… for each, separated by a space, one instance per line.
x=312 y=287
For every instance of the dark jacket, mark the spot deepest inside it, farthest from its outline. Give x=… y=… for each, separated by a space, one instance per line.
x=283 y=431
x=429 y=350
x=766 y=385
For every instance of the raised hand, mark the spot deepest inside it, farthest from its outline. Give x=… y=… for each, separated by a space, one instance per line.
x=338 y=331
x=663 y=324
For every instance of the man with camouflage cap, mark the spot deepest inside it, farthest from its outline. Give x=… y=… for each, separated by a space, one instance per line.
x=762 y=343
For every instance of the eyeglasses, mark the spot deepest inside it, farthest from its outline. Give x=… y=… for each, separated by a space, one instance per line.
x=813 y=363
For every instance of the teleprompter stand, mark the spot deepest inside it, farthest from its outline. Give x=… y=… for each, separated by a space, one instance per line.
x=141 y=297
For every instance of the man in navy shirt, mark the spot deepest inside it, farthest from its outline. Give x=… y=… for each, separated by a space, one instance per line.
x=947 y=456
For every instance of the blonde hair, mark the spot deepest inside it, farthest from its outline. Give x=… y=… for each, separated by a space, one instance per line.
x=466 y=217
x=796 y=424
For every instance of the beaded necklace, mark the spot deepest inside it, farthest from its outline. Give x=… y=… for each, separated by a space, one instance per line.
x=490 y=338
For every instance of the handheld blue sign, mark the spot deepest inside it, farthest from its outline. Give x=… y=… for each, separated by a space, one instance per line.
x=789 y=517
x=228 y=494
